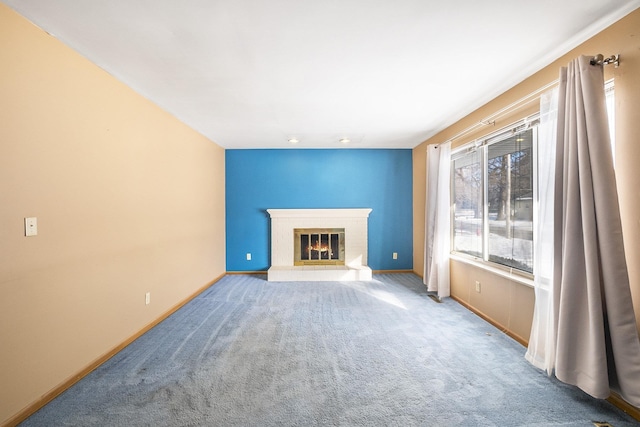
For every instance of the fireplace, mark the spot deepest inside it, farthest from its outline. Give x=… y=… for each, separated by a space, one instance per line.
x=319 y=245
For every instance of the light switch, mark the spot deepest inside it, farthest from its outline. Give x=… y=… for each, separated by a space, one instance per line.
x=31 y=226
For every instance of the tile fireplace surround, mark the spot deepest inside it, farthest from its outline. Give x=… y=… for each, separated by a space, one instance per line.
x=354 y=222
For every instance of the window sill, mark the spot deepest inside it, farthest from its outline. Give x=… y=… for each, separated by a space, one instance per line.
x=527 y=281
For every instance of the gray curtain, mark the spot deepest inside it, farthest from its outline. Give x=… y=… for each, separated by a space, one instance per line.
x=597 y=345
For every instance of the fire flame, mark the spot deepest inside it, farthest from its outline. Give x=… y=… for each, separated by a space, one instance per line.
x=318 y=248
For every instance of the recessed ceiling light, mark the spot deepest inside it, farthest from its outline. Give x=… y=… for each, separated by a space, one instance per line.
x=294 y=140
x=345 y=140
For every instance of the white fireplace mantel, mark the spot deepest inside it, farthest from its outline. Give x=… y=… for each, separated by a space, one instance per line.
x=319 y=213
x=355 y=224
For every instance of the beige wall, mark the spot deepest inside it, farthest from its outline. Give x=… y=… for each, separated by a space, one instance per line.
x=128 y=199
x=508 y=303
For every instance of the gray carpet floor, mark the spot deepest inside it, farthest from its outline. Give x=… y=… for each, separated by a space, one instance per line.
x=248 y=352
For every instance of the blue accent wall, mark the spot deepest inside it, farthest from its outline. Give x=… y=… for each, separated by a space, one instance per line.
x=257 y=180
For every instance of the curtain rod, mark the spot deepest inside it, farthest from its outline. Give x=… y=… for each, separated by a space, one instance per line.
x=491 y=119
x=599 y=59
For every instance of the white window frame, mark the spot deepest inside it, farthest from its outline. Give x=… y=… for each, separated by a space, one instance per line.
x=483 y=143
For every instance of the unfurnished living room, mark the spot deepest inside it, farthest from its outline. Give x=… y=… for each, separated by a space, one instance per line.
x=344 y=213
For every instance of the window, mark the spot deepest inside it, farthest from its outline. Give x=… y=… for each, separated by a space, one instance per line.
x=493 y=192
x=468 y=203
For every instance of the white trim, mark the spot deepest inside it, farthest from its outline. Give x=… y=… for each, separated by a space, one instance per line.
x=319 y=213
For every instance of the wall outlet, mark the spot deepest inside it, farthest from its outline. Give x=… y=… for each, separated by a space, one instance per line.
x=31 y=226
x=395 y=255
x=147 y=298
x=477 y=286
x=248 y=256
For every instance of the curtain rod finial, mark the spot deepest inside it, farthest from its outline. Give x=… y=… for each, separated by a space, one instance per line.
x=599 y=59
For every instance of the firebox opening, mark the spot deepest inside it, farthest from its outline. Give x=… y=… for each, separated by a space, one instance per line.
x=318 y=246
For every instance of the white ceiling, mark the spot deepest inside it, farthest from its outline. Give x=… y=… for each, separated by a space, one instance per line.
x=386 y=74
